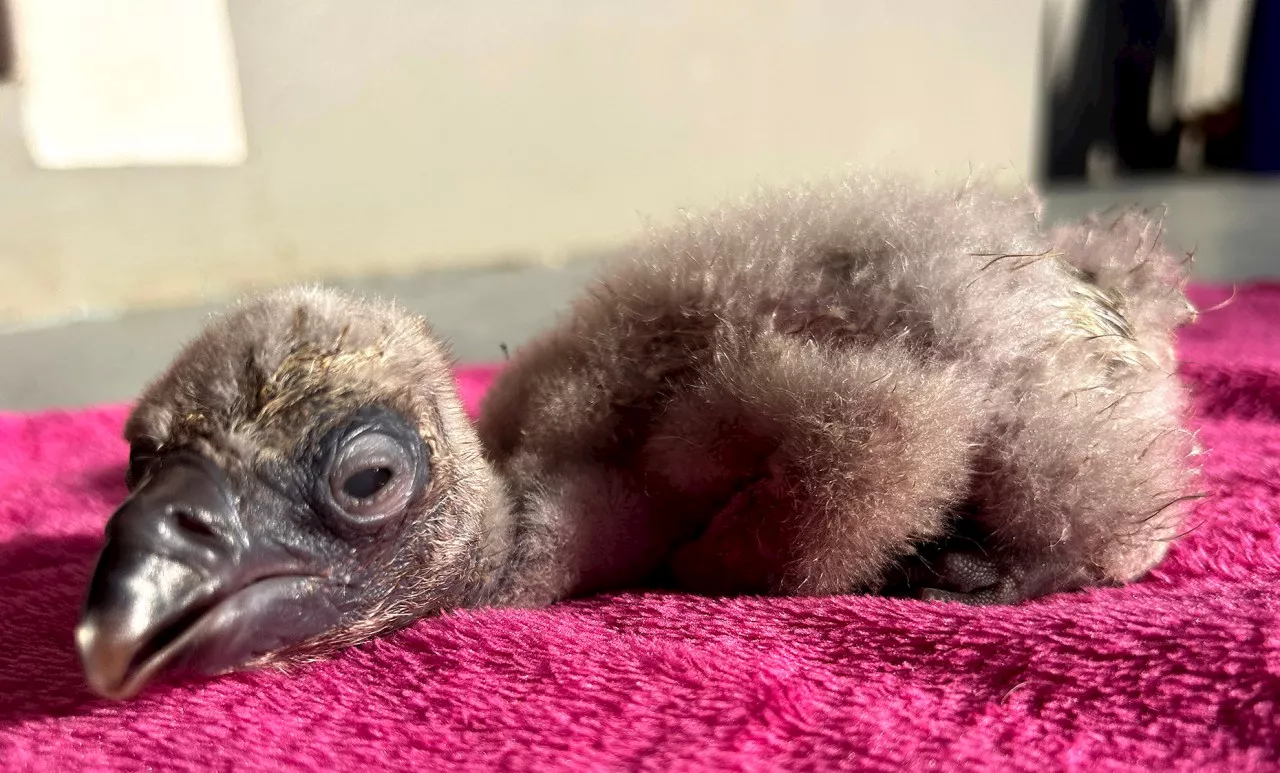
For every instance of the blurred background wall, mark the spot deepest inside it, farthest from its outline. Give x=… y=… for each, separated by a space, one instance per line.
x=391 y=135
x=318 y=139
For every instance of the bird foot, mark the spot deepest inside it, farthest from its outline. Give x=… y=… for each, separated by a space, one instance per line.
x=968 y=578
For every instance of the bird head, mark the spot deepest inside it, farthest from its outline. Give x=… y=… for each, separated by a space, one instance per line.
x=302 y=477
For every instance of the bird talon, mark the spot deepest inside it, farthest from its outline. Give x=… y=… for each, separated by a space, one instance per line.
x=979 y=598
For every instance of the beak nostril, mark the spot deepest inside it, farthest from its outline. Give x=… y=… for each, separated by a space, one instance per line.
x=189 y=523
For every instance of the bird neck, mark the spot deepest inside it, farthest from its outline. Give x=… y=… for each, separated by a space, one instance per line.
x=515 y=564
x=494 y=543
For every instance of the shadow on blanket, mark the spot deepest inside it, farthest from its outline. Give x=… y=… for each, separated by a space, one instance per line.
x=42 y=581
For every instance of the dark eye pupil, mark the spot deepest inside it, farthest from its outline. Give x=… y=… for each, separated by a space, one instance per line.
x=366 y=483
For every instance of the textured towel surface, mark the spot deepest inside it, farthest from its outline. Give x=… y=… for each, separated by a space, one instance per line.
x=1180 y=671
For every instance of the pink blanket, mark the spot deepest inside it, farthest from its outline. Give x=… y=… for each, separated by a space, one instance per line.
x=1181 y=671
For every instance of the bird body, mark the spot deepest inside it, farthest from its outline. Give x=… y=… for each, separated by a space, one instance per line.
x=863 y=386
x=815 y=390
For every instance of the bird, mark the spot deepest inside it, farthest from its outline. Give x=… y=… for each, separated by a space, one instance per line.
x=860 y=385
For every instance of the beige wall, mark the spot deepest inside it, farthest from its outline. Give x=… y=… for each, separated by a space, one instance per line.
x=390 y=135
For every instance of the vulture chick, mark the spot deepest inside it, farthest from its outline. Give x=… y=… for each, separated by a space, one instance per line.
x=866 y=386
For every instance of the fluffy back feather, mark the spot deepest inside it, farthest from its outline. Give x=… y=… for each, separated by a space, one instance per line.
x=1065 y=333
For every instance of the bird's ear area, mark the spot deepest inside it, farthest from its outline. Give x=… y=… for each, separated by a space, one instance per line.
x=369 y=470
x=144 y=428
x=143 y=451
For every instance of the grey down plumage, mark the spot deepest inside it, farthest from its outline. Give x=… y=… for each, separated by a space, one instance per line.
x=860 y=386
x=823 y=390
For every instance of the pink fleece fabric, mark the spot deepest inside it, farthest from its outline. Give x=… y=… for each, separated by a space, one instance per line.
x=1178 y=672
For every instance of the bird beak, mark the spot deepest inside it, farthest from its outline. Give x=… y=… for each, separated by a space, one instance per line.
x=182 y=584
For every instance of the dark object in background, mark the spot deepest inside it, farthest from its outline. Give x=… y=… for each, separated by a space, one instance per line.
x=1245 y=135
x=6 y=44
x=1150 y=43
x=1107 y=96
x=1261 y=113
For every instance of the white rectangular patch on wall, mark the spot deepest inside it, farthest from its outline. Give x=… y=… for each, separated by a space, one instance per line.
x=114 y=83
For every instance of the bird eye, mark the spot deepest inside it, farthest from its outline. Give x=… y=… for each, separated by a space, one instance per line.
x=366 y=483
x=372 y=477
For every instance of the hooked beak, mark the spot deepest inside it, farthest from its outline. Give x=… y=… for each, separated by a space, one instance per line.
x=182 y=584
